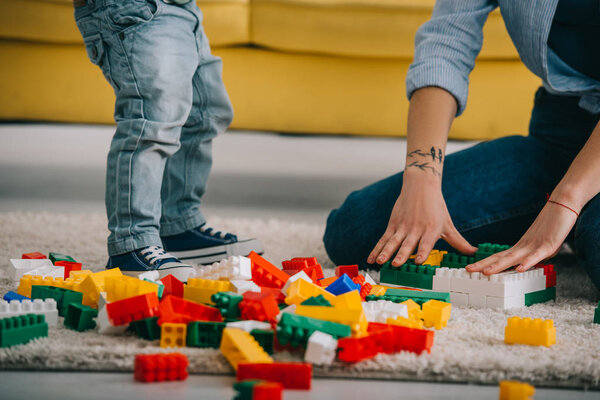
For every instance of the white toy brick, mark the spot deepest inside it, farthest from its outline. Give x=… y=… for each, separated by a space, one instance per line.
x=232 y=268
x=321 y=349
x=105 y=327
x=242 y=287
x=369 y=280
x=441 y=280
x=46 y=307
x=504 y=303
x=477 y=300
x=294 y=278
x=20 y=267
x=381 y=310
x=249 y=325
x=150 y=275
x=459 y=299
x=102 y=301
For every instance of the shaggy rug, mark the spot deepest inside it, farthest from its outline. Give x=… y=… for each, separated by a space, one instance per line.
x=470 y=349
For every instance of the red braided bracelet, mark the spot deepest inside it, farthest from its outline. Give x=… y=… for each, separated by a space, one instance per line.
x=560 y=204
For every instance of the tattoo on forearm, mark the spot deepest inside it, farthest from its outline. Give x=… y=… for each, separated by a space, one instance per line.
x=436 y=154
x=425 y=166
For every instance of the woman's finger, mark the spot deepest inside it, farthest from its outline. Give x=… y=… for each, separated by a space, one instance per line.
x=390 y=248
x=408 y=246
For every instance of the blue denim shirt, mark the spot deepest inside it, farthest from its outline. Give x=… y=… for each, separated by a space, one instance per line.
x=446 y=47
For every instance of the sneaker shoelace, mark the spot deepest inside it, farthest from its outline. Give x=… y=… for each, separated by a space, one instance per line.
x=154 y=254
x=217 y=234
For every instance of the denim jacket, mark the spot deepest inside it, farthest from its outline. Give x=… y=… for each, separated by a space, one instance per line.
x=446 y=47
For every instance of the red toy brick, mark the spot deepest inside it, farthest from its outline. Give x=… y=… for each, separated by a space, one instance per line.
x=290 y=375
x=276 y=292
x=181 y=311
x=34 y=255
x=411 y=339
x=294 y=265
x=315 y=272
x=350 y=270
x=258 y=306
x=132 y=309
x=173 y=286
x=550 y=273
x=266 y=274
x=356 y=349
x=267 y=391
x=69 y=266
x=160 y=367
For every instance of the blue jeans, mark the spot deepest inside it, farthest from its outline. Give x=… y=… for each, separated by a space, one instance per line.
x=170 y=104
x=493 y=190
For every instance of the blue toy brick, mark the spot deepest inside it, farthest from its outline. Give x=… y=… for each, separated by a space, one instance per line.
x=342 y=285
x=10 y=296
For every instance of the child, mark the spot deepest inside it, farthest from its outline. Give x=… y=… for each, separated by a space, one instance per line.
x=170 y=104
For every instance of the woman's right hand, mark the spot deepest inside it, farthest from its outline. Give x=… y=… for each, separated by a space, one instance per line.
x=419 y=218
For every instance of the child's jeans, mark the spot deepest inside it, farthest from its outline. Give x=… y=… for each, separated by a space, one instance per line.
x=493 y=190
x=170 y=104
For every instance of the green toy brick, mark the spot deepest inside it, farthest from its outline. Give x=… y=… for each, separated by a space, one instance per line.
x=597 y=314
x=400 y=295
x=228 y=304
x=487 y=249
x=63 y=297
x=316 y=301
x=21 y=329
x=146 y=328
x=453 y=260
x=204 y=334
x=541 y=296
x=245 y=389
x=264 y=338
x=409 y=274
x=80 y=318
x=296 y=329
x=54 y=257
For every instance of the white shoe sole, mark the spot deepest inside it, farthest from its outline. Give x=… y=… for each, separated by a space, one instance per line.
x=181 y=273
x=217 y=253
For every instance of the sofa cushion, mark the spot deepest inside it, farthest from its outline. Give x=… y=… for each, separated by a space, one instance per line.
x=357 y=28
x=52 y=21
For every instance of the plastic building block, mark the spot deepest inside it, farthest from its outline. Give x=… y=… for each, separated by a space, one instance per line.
x=365 y=288
x=105 y=327
x=326 y=281
x=238 y=345
x=409 y=274
x=436 y=313
x=350 y=270
x=22 y=329
x=241 y=287
x=309 y=265
x=414 y=310
x=487 y=249
x=452 y=260
x=434 y=258
x=401 y=295
x=265 y=338
x=63 y=297
x=93 y=284
x=356 y=349
x=301 y=290
x=45 y=307
x=249 y=325
x=257 y=390
x=20 y=267
x=276 y=293
x=413 y=340
x=122 y=287
x=597 y=314
x=320 y=349
x=176 y=309
x=550 y=273
x=381 y=311
x=173 y=286
x=295 y=329
x=513 y=390
x=80 y=318
x=266 y=274
x=316 y=301
x=10 y=296
x=201 y=290
x=160 y=367
x=342 y=285
x=68 y=266
x=234 y=267
x=378 y=290
x=147 y=328
x=299 y=275
x=204 y=334
x=33 y=256
x=355 y=318
x=315 y=272
x=406 y=322
x=541 y=296
x=227 y=303
x=173 y=334
x=258 y=306
x=132 y=309
x=536 y=332
x=54 y=257
x=290 y=375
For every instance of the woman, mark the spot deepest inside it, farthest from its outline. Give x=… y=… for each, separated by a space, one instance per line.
x=495 y=191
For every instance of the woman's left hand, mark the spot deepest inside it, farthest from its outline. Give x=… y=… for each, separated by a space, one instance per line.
x=541 y=241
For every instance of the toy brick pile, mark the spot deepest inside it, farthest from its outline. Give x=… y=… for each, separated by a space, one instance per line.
x=249 y=308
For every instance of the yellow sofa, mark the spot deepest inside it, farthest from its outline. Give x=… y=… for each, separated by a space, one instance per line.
x=305 y=66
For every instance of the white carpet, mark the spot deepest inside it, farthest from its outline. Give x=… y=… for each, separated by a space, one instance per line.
x=470 y=349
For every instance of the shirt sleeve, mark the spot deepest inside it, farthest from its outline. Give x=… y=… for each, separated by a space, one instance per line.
x=446 y=47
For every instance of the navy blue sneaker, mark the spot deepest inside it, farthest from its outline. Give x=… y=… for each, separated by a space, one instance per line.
x=151 y=258
x=203 y=245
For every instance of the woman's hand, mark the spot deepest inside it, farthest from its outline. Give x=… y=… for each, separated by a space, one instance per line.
x=541 y=241
x=419 y=218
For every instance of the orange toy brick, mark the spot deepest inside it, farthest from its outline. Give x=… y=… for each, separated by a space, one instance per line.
x=176 y=309
x=160 y=367
x=132 y=309
x=258 y=306
x=290 y=375
x=266 y=274
x=173 y=335
x=513 y=390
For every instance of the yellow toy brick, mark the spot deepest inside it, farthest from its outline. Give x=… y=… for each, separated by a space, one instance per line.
x=513 y=390
x=378 y=290
x=536 y=332
x=355 y=318
x=201 y=290
x=436 y=313
x=80 y=275
x=301 y=290
x=122 y=287
x=238 y=345
x=93 y=284
x=27 y=281
x=349 y=300
x=172 y=334
x=434 y=258
x=406 y=322
x=414 y=310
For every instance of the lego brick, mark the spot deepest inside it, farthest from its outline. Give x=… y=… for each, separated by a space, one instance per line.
x=204 y=334
x=54 y=257
x=160 y=367
x=536 y=332
x=355 y=318
x=460 y=299
x=487 y=249
x=540 y=296
x=132 y=309
x=296 y=329
x=290 y=375
x=21 y=329
x=320 y=349
x=93 y=284
x=378 y=290
x=68 y=267
x=412 y=340
x=33 y=256
x=550 y=273
x=365 y=288
x=159 y=286
x=241 y=287
x=409 y=274
x=316 y=301
x=505 y=303
x=63 y=297
x=380 y=311
x=597 y=314
x=227 y=303
x=258 y=306
x=266 y=274
x=122 y=287
x=342 y=285
x=80 y=318
x=477 y=300
x=356 y=349
x=234 y=267
x=294 y=265
x=299 y=275
x=147 y=328
x=105 y=327
x=441 y=283
x=201 y=290
x=249 y=325
x=406 y=322
x=173 y=334
x=315 y=272
x=434 y=258
x=276 y=293
x=436 y=313
x=513 y=390
x=265 y=338
x=173 y=286
x=10 y=296
x=176 y=309
x=420 y=297
x=291 y=309
x=46 y=307
x=349 y=300
x=350 y=270
x=414 y=309
x=326 y=281
x=301 y=290
x=238 y=345
x=253 y=389
x=20 y=267
x=149 y=275
x=452 y=260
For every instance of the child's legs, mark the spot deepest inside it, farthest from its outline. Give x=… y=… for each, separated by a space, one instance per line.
x=186 y=171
